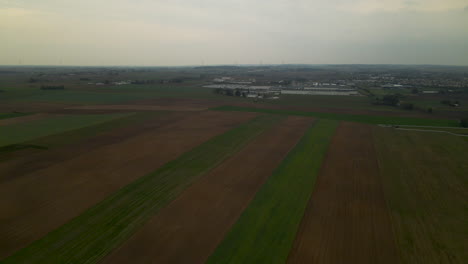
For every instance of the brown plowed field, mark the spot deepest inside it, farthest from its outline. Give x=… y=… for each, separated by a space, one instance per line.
x=346 y=220
x=190 y=228
x=35 y=204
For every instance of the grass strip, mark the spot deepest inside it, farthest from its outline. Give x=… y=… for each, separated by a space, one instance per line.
x=266 y=230
x=93 y=234
x=368 y=119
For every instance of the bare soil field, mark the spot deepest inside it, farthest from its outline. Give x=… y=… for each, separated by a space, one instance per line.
x=347 y=220
x=44 y=199
x=190 y=228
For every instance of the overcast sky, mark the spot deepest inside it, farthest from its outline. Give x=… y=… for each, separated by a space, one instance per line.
x=195 y=32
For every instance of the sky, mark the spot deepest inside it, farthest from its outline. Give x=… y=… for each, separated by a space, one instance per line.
x=229 y=32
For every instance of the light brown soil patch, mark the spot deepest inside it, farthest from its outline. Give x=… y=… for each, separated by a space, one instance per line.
x=189 y=229
x=37 y=203
x=346 y=220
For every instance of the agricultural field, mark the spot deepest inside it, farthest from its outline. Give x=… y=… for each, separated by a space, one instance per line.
x=369 y=119
x=25 y=131
x=162 y=170
x=346 y=220
x=175 y=230
x=98 y=171
x=424 y=178
x=270 y=222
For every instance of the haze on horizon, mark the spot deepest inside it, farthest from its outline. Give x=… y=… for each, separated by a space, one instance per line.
x=189 y=32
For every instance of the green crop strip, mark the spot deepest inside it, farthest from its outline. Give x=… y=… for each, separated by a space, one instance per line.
x=93 y=234
x=368 y=119
x=266 y=230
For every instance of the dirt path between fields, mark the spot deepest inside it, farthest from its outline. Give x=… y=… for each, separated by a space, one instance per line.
x=347 y=220
x=37 y=203
x=189 y=229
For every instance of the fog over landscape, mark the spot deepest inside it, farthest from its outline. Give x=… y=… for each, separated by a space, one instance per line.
x=187 y=32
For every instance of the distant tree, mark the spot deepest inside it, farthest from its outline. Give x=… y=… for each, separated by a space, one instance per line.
x=107 y=82
x=415 y=91
x=32 y=80
x=229 y=92
x=237 y=92
x=430 y=110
